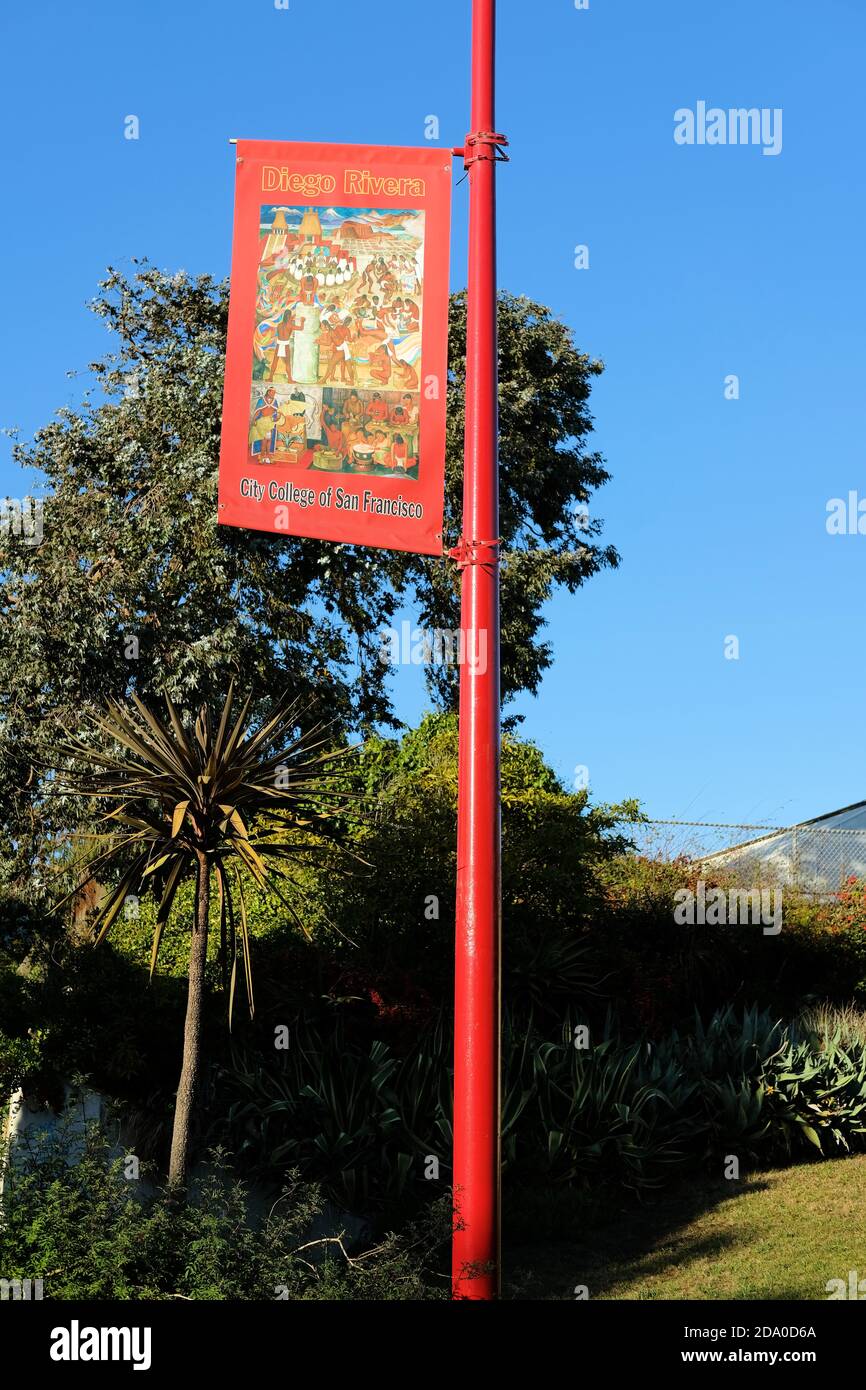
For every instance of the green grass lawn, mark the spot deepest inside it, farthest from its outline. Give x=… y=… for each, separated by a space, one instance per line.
x=773 y=1235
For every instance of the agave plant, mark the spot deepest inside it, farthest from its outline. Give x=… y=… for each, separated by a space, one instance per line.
x=232 y=798
x=349 y=1113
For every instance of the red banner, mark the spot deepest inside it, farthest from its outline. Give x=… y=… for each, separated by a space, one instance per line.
x=337 y=357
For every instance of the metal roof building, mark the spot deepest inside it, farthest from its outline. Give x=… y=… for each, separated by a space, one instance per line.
x=815 y=855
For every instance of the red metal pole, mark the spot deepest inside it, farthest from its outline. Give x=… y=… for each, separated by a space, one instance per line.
x=475 y=1259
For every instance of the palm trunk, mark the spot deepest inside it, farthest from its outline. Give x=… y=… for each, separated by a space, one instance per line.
x=189 y=1073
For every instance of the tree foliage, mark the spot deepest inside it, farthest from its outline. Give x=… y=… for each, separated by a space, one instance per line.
x=135 y=588
x=553 y=843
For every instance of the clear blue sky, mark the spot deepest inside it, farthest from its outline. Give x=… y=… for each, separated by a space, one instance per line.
x=704 y=261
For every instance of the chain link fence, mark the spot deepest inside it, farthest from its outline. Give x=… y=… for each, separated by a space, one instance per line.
x=814 y=859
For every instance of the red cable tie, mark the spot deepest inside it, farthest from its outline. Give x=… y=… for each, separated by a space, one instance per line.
x=465 y=552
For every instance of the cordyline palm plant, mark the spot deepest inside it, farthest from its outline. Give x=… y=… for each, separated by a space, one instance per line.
x=227 y=798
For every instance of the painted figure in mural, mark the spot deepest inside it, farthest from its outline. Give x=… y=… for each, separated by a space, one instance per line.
x=405 y=373
x=332 y=431
x=309 y=287
x=411 y=415
x=380 y=365
x=353 y=407
x=381 y=449
x=295 y=417
x=340 y=336
x=282 y=355
x=399 y=453
x=264 y=425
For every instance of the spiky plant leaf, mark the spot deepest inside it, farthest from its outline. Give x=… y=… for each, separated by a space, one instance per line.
x=246 y=794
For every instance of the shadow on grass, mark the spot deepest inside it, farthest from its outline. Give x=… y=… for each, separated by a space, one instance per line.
x=560 y=1241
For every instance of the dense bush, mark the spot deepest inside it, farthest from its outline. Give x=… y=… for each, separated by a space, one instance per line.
x=21 y=1059
x=659 y=971
x=87 y=1234
x=363 y=1119
x=71 y=1010
x=398 y=916
x=355 y=1113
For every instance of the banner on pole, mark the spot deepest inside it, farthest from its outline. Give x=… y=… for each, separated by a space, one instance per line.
x=337 y=357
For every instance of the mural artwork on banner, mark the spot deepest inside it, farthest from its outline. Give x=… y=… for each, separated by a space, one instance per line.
x=336 y=367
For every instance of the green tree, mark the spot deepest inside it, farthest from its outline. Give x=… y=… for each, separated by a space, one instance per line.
x=402 y=919
x=226 y=799
x=135 y=588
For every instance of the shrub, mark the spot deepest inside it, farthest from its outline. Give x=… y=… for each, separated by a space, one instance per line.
x=662 y=970
x=88 y=1235
x=361 y=1118
x=352 y=1113
x=21 y=1059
